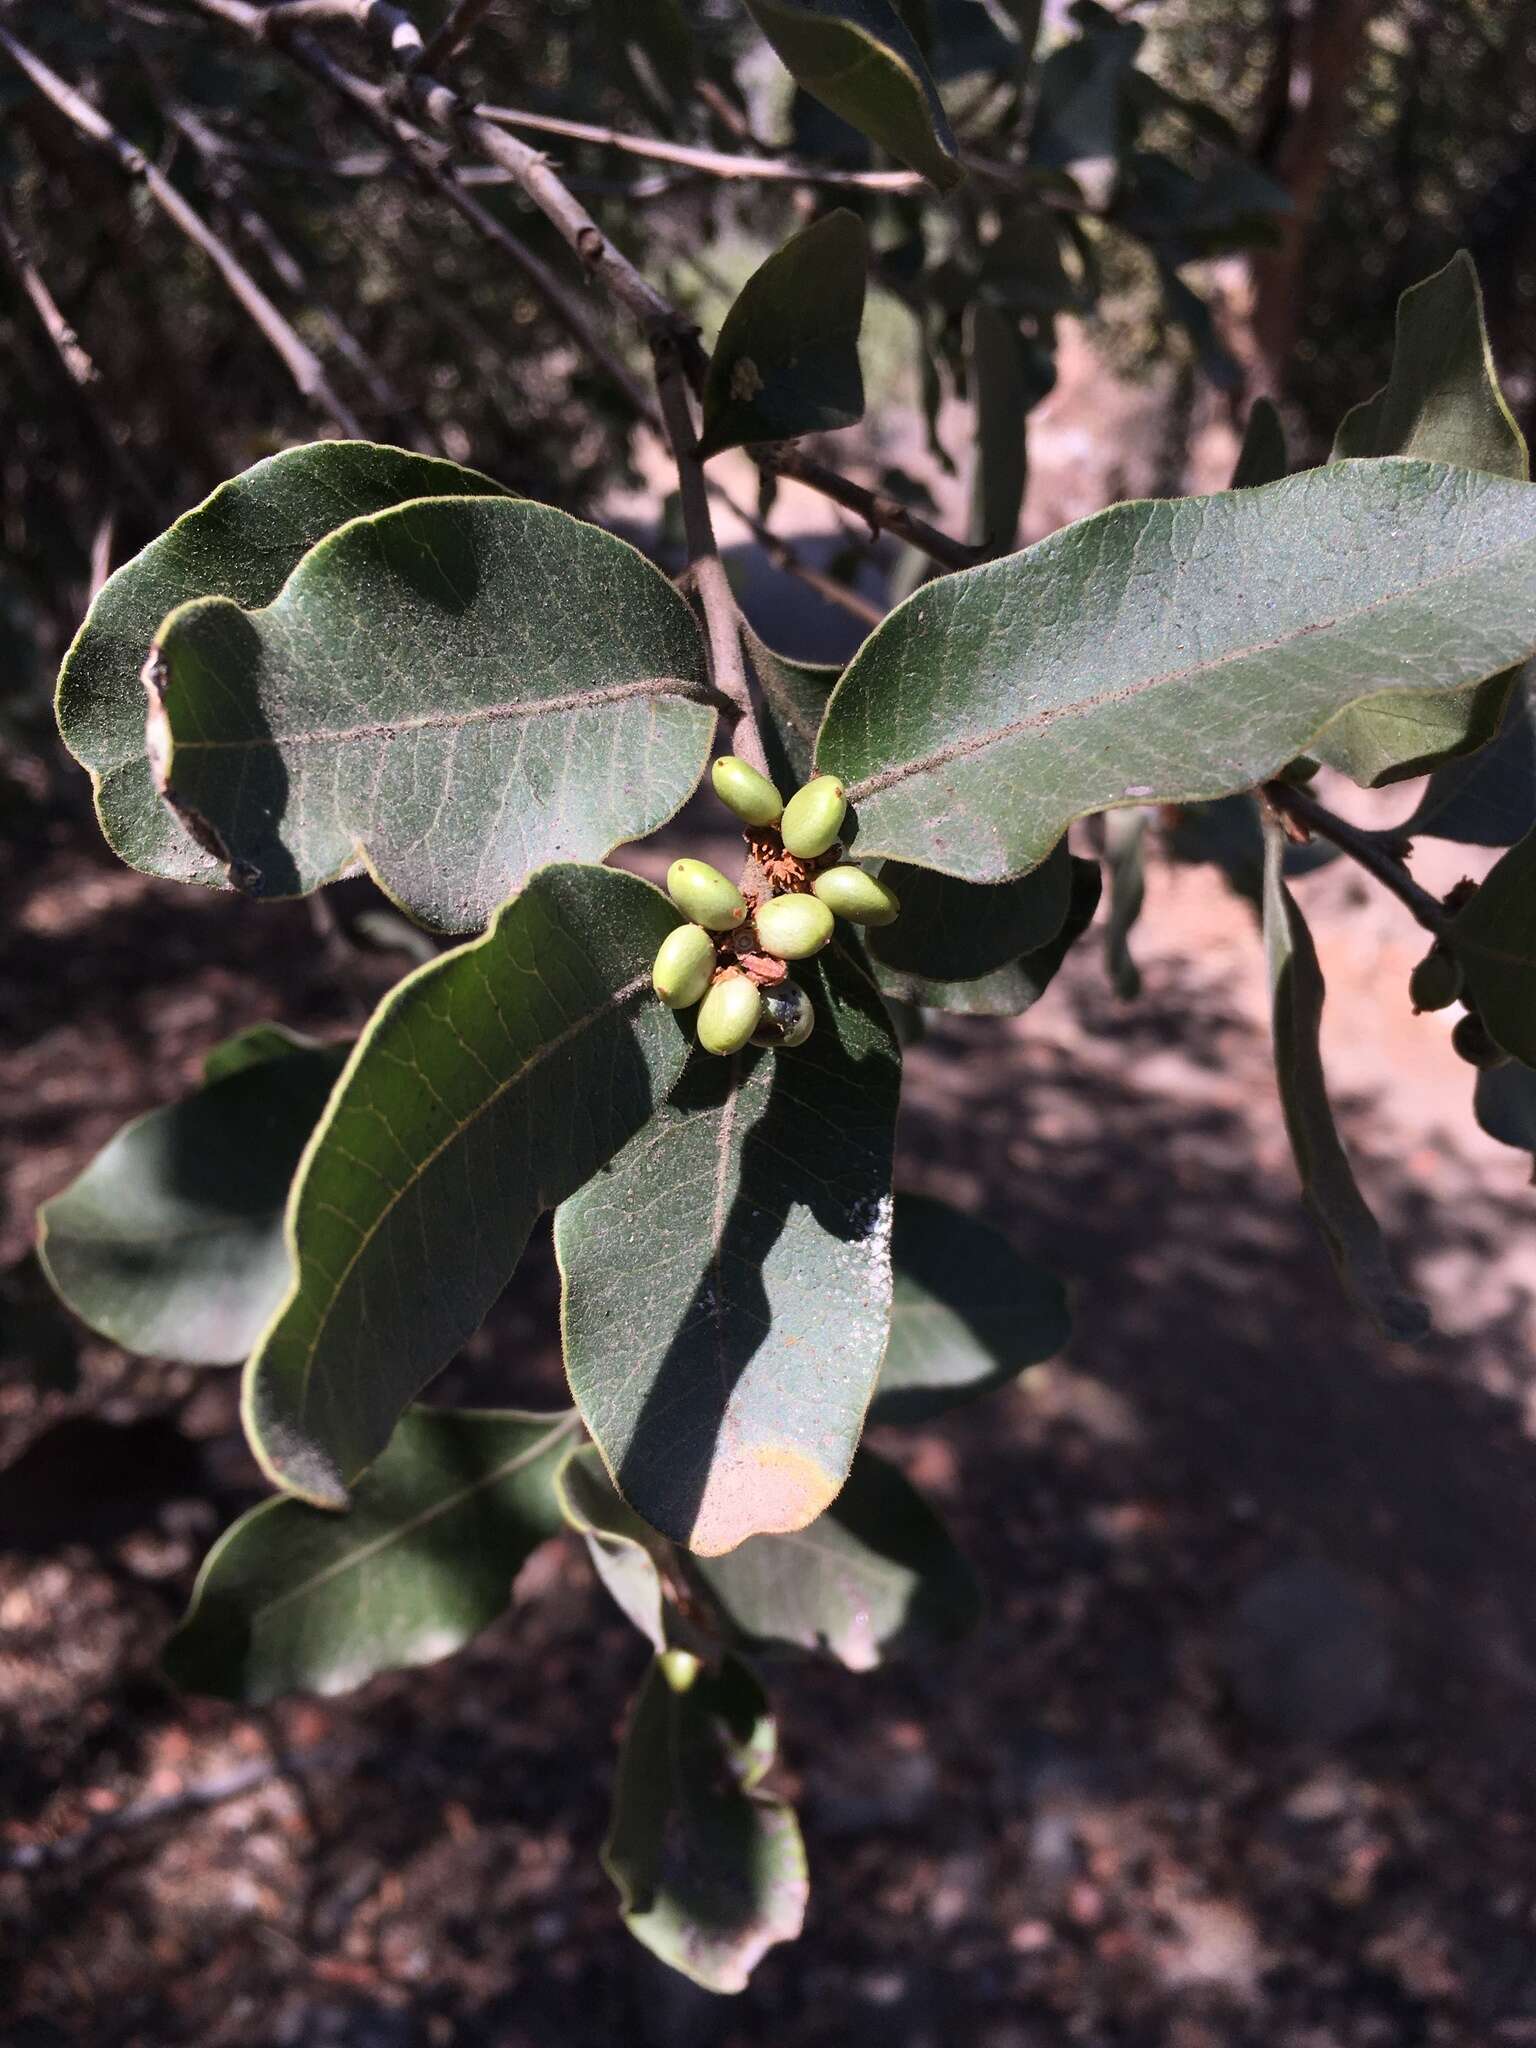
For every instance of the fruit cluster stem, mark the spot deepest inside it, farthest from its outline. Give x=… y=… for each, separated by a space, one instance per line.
x=722 y=620
x=1304 y=810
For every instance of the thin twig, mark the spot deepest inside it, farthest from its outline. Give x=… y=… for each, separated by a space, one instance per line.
x=1363 y=847
x=73 y=359
x=442 y=108
x=880 y=512
x=722 y=619
x=299 y=360
x=103 y=541
x=711 y=163
x=784 y=555
x=463 y=19
x=410 y=145
x=228 y=180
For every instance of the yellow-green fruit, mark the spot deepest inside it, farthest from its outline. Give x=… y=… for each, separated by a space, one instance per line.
x=813 y=817
x=1435 y=983
x=741 y=789
x=703 y=893
x=789 y=1016
x=685 y=966
x=793 y=927
x=729 y=1014
x=857 y=896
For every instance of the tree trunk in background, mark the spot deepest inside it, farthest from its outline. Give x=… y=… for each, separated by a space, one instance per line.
x=1318 y=48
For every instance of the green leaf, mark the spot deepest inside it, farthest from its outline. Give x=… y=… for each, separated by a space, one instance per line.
x=958 y=931
x=1187 y=218
x=171 y=1241
x=253 y=1047
x=241 y=542
x=1504 y=1103
x=1443 y=403
x=1350 y=1231
x=710 y=1869
x=727 y=1281
x=1494 y=938
x=1017 y=985
x=787 y=361
x=527 y=689
x=1263 y=458
x=1008 y=376
x=294 y=1600
x=1487 y=798
x=1023 y=268
x=1110 y=664
x=876 y=1577
x=487 y=1086
x=968 y=1314
x=795 y=695
x=858 y=58
x=626 y=1552
x=1125 y=834
x=1442 y=400
x=1080 y=111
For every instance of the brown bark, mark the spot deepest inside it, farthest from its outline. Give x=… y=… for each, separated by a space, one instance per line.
x=1318 y=54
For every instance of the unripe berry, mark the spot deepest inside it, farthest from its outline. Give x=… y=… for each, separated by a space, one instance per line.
x=741 y=789
x=703 y=893
x=813 y=817
x=1472 y=1041
x=793 y=927
x=857 y=896
x=729 y=1014
x=1435 y=983
x=685 y=966
x=788 y=1018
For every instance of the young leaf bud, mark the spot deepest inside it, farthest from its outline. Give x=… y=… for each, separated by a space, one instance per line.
x=813 y=817
x=788 y=1016
x=859 y=897
x=703 y=893
x=741 y=789
x=729 y=1014
x=685 y=967
x=1436 y=982
x=1472 y=1041
x=793 y=927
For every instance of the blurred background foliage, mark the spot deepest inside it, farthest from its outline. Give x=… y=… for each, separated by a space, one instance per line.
x=1400 y=128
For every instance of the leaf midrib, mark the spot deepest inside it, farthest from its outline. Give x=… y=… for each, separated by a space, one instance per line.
x=453 y=721
x=1038 y=721
x=356 y=1558
x=545 y=1051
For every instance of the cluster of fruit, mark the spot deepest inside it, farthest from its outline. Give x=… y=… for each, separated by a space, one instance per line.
x=1436 y=983
x=731 y=959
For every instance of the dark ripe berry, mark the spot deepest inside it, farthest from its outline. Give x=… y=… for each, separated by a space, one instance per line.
x=788 y=1018
x=1472 y=1041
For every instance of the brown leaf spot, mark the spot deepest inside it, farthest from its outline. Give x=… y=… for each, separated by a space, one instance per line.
x=768 y=1490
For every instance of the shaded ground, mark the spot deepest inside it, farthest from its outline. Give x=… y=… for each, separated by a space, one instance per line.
x=1240 y=1757
x=1070 y=1833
